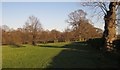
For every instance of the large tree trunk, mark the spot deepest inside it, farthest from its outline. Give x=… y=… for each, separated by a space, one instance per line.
x=110 y=26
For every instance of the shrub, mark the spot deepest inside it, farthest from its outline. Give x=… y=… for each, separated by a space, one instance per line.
x=98 y=43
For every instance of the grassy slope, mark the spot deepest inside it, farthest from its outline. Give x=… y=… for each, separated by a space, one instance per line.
x=56 y=55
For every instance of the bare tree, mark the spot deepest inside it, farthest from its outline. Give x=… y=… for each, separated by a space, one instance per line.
x=33 y=26
x=75 y=17
x=109 y=11
x=82 y=28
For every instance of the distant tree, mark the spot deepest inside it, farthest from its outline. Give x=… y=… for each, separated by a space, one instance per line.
x=44 y=36
x=82 y=28
x=18 y=34
x=55 y=35
x=67 y=35
x=75 y=17
x=5 y=28
x=5 y=34
x=0 y=35
x=33 y=26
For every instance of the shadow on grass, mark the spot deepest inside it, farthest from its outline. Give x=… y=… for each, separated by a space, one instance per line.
x=49 y=46
x=72 y=45
x=82 y=55
x=16 y=46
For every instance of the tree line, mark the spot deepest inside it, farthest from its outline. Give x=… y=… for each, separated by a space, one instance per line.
x=32 y=32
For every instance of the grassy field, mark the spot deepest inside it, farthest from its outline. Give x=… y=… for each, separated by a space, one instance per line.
x=57 y=55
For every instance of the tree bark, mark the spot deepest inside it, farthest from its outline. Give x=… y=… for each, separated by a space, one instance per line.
x=110 y=27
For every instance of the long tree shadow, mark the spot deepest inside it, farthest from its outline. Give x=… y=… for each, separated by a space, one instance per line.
x=81 y=55
x=71 y=58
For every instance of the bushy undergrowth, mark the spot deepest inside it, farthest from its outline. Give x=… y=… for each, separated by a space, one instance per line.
x=97 y=43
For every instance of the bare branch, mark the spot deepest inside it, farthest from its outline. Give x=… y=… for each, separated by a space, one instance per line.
x=102 y=7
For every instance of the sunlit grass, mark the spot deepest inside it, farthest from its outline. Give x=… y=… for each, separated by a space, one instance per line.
x=57 y=55
x=28 y=57
x=0 y=56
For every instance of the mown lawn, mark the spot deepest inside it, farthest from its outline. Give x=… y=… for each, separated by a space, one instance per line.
x=57 y=55
x=29 y=56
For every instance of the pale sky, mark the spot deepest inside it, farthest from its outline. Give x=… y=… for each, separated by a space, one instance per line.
x=52 y=15
x=57 y=0
x=0 y=13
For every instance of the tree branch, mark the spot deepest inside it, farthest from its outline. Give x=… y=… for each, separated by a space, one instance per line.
x=102 y=8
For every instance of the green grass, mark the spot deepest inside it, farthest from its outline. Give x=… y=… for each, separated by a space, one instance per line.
x=28 y=57
x=0 y=56
x=57 y=55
